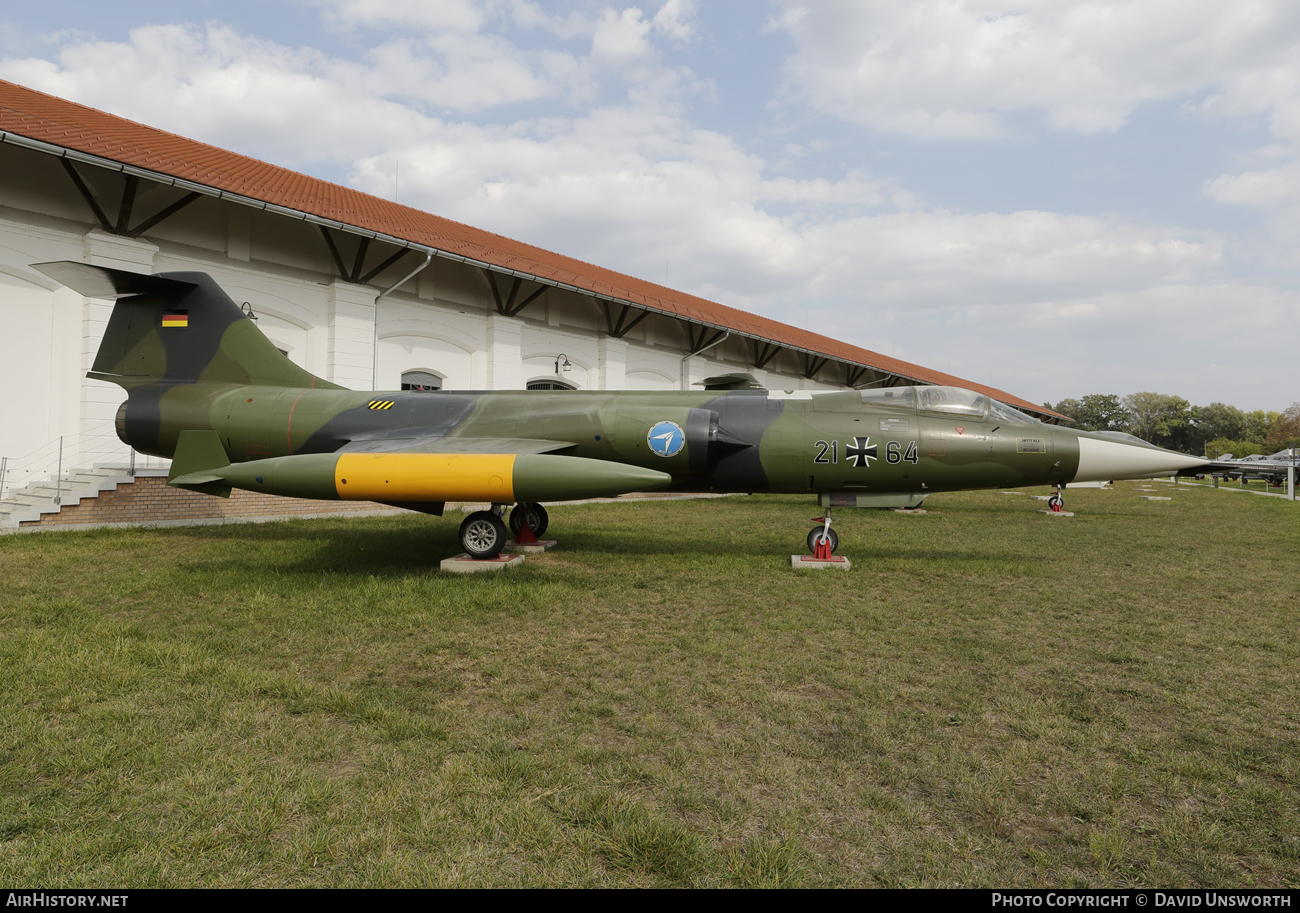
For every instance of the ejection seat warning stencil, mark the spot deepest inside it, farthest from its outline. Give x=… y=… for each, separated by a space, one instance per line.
x=1031 y=445
x=175 y=319
x=666 y=439
x=895 y=424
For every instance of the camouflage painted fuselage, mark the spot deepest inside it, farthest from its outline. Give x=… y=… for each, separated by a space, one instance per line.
x=734 y=441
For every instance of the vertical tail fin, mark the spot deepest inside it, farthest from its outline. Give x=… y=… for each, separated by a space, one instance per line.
x=177 y=327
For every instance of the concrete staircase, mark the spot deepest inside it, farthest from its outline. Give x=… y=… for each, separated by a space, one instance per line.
x=38 y=499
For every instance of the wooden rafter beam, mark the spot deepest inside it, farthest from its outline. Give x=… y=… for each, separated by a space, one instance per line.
x=506 y=307
x=89 y=197
x=620 y=328
x=812 y=364
x=127 y=204
x=510 y=298
x=126 y=207
x=537 y=293
x=402 y=252
x=496 y=292
x=764 y=352
x=334 y=251
x=163 y=214
x=853 y=374
x=359 y=261
x=702 y=337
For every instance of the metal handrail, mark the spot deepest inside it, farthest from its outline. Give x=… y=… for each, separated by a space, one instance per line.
x=34 y=464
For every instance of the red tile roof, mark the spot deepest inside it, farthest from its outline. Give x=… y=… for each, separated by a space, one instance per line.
x=62 y=123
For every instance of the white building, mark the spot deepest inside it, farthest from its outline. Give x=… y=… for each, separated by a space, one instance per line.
x=356 y=289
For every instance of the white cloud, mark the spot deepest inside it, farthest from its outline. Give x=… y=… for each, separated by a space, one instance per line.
x=621 y=38
x=1267 y=189
x=957 y=68
x=674 y=19
x=261 y=98
x=443 y=15
x=472 y=73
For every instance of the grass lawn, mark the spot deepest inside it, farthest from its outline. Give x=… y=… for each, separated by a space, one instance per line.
x=991 y=697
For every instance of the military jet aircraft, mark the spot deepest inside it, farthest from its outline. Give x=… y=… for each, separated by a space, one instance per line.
x=1272 y=469
x=208 y=390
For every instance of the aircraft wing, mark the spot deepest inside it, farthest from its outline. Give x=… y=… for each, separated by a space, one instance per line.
x=453 y=444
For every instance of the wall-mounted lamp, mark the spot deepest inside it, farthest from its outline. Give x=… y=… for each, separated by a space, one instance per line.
x=563 y=362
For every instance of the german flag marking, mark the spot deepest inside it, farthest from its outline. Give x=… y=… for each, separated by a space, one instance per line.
x=380 y=404
x=176 y=319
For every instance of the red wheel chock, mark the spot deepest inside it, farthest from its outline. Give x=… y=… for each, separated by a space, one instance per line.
x=822 y=544
x=525 y=535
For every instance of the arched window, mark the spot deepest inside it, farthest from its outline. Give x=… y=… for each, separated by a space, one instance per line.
x=550 y=385
x=421 y=380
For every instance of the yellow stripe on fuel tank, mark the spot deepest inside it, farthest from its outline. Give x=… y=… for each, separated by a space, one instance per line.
x=425 y=477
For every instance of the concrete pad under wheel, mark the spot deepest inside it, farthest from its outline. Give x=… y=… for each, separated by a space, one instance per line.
x=464 y=564
x=1057 y=513
x=535 y=548
x=809 y=563
x=908 y=510
x=1152 y=498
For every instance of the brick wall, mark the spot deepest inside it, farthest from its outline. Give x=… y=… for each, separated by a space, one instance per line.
x=149 y=499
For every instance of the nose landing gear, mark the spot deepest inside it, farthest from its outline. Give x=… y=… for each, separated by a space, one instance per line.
x=822 y=542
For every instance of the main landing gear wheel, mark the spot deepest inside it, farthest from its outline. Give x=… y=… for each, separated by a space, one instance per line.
x=534 y=513
x=815 y=536
x=483 y=535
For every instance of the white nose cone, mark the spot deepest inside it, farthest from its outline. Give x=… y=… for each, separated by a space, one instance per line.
x=1101 y=461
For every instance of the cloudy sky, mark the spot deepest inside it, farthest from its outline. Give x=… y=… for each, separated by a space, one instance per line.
x=1059 y=198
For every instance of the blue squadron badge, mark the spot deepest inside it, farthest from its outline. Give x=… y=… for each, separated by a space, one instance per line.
x=862 y=452
x=666 y=439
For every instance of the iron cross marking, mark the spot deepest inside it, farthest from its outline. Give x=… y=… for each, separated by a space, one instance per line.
x=862 y=452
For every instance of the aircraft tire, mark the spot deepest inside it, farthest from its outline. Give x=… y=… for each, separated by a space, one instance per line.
x=538 y=519
x=483 y=535
x=815 y=534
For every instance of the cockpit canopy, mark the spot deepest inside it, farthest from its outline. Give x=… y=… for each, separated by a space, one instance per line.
x=948 y=400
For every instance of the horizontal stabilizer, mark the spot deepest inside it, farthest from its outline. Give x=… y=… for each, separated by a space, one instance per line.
x=103 y=282
x=197 y=463
x=736 y=381
x=194 y=479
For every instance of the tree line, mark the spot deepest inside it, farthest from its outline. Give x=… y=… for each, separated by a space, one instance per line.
x=1173 y=422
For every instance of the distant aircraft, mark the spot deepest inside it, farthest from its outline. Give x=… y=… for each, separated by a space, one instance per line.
x=1271 y=469
x=206 y=389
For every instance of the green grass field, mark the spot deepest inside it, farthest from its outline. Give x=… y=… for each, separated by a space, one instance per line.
x=990 y=697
